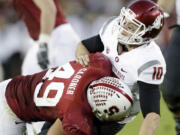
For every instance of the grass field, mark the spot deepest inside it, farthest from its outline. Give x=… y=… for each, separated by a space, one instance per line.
x=166 y=126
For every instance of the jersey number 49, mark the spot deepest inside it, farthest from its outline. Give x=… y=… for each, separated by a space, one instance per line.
x=66 y=73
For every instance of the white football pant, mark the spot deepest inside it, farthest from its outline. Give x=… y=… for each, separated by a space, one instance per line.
x=10 y=124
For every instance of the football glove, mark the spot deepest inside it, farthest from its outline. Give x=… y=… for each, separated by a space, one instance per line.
x=42 y=55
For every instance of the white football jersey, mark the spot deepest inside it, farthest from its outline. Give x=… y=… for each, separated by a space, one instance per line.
x=144 y=63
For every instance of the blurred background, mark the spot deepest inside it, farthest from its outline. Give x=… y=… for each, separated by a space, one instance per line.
x=86 y=17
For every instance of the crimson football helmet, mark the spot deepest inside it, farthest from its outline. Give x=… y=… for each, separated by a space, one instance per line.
x=139 y=23
x=110 y=99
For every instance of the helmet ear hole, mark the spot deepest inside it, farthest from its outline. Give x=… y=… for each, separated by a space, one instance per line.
x=151 y=9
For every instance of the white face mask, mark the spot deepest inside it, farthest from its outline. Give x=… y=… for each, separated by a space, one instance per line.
x=130 y=29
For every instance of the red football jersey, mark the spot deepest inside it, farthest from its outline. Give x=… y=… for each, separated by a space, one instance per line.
x=30 y=14
x=58 y=93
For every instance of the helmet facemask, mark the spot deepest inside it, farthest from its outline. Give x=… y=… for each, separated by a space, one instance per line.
x=130 y=29
x=133 y=31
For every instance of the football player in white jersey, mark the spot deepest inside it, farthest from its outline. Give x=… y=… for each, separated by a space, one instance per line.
x=127 y=40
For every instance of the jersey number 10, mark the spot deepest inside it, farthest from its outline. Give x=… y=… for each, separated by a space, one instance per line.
x=158 y=72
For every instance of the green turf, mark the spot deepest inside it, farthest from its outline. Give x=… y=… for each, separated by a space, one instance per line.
x=166 y=126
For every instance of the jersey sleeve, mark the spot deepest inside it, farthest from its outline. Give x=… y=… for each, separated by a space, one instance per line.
x=152 y=72
x=101 y=62
x=93 y=44
x=76 y=122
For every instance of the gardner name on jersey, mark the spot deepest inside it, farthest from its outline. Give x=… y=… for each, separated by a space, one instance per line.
x=58 y=93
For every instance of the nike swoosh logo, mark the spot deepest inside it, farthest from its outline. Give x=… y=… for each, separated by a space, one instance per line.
x=123 y=70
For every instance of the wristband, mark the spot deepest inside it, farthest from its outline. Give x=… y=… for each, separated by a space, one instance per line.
x=43 y=38
x=166 y=14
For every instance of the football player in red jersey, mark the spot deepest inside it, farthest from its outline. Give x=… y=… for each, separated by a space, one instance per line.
x=60 y=93
x=47 y=24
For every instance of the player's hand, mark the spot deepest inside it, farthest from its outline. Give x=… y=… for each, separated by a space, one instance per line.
x=42 y=55
x=83 y=60
x=82 y=55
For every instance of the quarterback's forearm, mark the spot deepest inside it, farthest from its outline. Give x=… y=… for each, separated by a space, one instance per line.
x=48 y=15
x=150 y=124
x=56 y=128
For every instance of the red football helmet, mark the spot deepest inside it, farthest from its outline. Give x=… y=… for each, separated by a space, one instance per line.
x=140 y=22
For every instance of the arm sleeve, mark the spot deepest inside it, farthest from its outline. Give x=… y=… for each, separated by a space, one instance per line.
x=107 y=128
x=75 y=128
x=76 y=122
x=93 y=44
x=149 y=98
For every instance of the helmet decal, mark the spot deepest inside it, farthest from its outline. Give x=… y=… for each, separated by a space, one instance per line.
x=157 y=23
